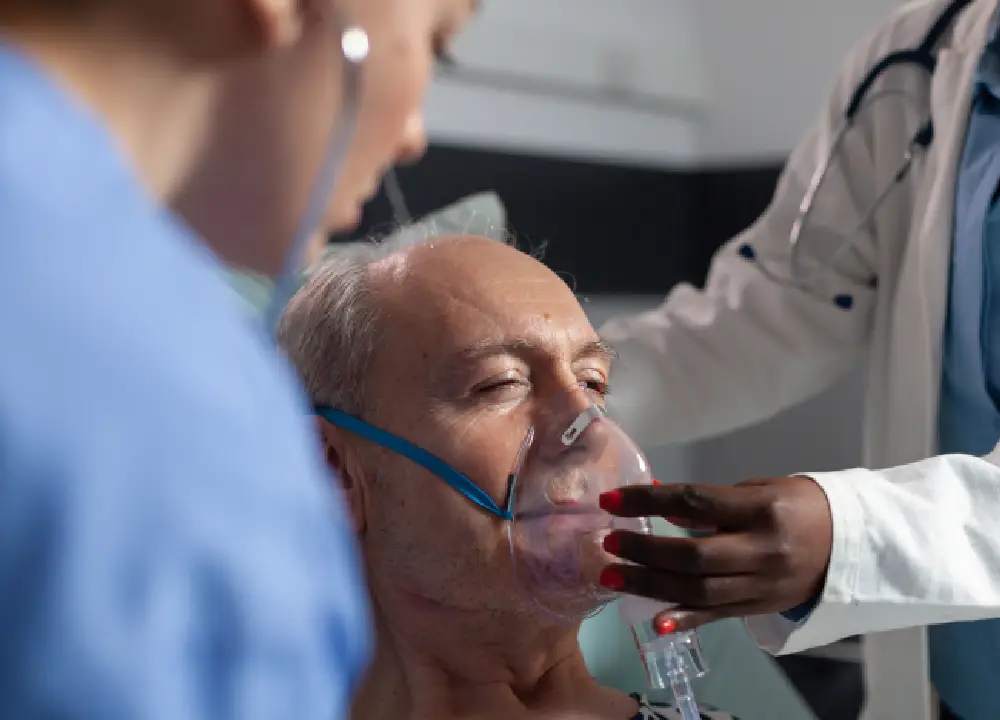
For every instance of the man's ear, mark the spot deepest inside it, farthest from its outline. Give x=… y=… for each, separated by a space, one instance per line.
x=348 y=472
x=278 y=22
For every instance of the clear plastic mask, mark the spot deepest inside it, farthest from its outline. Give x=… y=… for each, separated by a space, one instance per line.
x=556 y=529
x=572 y=455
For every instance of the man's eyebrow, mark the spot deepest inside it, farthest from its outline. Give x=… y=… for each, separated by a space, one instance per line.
x=455 y=364
x=488 y=348
x=598 y=348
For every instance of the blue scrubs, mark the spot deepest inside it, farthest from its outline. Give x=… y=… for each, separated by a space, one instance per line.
x=171 y=545
x=965 y=657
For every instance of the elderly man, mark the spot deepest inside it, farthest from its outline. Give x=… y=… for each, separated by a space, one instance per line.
x=450 y=346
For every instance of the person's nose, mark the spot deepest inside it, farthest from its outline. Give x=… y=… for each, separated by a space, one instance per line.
x=569 y=423
x=577 y=437
x=414 y=142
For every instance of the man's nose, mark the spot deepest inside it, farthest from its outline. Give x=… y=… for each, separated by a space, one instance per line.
x=571 y=424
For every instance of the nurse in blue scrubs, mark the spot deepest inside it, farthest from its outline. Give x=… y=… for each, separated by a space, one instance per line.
x=170 y=546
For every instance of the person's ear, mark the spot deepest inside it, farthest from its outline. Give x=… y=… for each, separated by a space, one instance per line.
x=279 y=23
x=344 y=460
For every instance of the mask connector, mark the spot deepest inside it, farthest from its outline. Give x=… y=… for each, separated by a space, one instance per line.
x=670 y=661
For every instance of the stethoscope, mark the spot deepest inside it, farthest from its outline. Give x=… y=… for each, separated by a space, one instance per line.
x=799 y=275
x=354 y=48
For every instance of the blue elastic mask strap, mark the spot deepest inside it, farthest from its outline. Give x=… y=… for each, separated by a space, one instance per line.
x=421 y=457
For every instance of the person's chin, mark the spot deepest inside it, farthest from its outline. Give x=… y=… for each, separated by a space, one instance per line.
x=345 y=218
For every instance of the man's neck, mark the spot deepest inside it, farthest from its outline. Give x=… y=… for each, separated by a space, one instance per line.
x=451 y=672
x=155 y=110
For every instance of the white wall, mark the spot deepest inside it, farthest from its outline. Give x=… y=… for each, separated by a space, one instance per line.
x=594 y=78
x=654 y=82
x=769 y=65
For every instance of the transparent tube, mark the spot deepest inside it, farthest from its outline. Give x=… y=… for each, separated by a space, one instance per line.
x=669 y=660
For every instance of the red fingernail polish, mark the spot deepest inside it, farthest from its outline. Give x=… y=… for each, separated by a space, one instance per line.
x=612 y=579
x=665 y=626
x=613 y=543
x=611 y=501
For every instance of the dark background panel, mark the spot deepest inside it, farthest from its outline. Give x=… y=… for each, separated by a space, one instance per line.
x=614 y=229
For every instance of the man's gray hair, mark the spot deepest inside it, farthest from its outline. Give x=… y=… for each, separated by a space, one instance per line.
x=332 y=327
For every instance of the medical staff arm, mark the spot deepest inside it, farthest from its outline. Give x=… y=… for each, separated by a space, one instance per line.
x=914 y=545
x=158 y=582
x=744 y=348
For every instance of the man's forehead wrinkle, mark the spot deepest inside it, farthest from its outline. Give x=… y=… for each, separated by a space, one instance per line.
x=473 y=302
x=523 y=283
x=483 y=272
x=494 y=296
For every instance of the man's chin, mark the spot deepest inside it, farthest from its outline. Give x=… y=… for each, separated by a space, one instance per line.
x=569 y=611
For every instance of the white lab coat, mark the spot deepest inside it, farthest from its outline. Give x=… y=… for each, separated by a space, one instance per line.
x=913 y=546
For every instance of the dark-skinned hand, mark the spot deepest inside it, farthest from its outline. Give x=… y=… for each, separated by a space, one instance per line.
x=768 y=551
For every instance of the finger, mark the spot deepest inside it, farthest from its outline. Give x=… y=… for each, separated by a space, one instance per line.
x=726 y=554
x=680 y=619
x=684 y=522
x=692 y=591
x=699 y=504
x=688 y=524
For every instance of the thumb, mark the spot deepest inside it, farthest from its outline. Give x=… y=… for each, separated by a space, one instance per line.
x=677 y=620
x=683 y=504
x=682 y=619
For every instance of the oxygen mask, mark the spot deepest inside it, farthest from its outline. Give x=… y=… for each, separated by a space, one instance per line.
x=569 y=457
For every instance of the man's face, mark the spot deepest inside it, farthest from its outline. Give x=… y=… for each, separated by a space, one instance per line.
x=480 y=341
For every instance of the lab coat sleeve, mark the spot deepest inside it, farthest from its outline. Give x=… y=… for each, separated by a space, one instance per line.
x=711 y=360
x=913 y=545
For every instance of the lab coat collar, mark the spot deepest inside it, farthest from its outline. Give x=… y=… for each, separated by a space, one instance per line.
x=972 y=27
x=988 y=71
x=923 y=279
